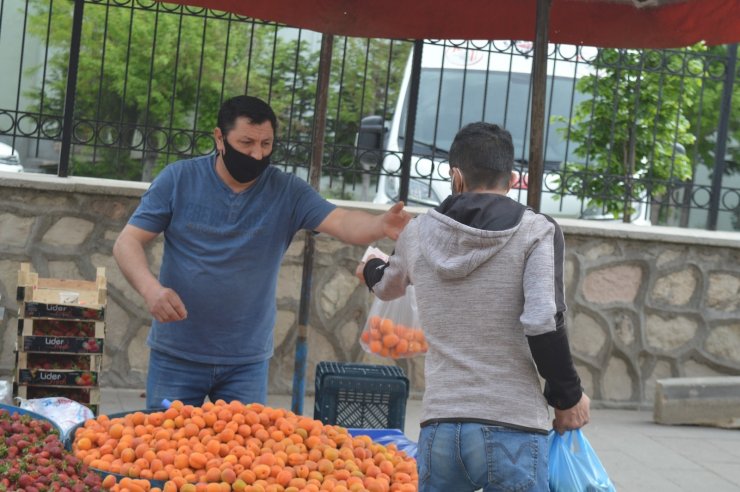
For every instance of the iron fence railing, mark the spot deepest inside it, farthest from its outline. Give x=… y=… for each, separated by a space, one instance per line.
x=121 y=88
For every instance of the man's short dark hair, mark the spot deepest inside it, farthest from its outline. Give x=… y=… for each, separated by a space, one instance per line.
x=254 y=108
x=484 y=152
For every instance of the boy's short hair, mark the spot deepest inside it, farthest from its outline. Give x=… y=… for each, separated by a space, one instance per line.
x=254 y=108
x=484 y=152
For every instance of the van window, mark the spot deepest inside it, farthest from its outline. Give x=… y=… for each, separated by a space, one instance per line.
x=498 y=97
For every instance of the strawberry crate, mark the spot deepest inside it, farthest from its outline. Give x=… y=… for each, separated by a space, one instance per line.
x=71 y=345
x=56 y=377
x=57 y=369
x=61 y=298
x=56 y=362
x=60 y=336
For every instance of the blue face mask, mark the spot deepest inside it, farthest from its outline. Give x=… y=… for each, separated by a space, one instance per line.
x=242 y=167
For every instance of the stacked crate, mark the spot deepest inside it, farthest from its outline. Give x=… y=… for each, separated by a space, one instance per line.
x=61 y=329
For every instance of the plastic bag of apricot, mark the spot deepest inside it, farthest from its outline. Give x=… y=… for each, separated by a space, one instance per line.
x=393 y=329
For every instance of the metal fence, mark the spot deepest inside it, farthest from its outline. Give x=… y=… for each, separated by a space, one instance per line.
x=121 y=88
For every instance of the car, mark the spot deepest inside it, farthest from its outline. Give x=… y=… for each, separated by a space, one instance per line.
x=460 y=84
x=10 y=160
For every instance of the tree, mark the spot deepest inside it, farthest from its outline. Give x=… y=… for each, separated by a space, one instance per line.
x=633 y=126
x=704 y=118
x=151 y=80
x=148 y=81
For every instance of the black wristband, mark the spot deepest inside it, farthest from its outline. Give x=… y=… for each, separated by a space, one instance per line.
x=373 y=271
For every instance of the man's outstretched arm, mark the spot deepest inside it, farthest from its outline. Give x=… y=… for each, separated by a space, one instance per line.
x=359 y=227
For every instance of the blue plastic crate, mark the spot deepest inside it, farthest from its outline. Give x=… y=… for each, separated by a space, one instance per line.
x=364 y=396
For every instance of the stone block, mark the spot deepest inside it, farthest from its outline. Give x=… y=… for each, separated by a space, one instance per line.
x=711 y=401
x=613 y=284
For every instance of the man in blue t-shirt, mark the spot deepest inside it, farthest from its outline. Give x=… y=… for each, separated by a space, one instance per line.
x=227 y=220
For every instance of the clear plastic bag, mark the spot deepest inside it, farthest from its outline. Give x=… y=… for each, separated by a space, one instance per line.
x=392 y=328
x=574 y=466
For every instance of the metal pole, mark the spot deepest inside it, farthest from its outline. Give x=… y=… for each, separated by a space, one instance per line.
x=314 y=173
x=722 y=129
x=408 y=142
x=69 y=95
x=539 y=89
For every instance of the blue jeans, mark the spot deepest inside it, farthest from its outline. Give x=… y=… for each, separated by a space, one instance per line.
x=173 y=378
x=466 y=457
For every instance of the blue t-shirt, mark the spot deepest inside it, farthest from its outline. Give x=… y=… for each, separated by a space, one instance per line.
x=222 y=254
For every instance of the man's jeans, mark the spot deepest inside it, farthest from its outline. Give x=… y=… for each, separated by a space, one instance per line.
x=172 y=378
x=465 y=457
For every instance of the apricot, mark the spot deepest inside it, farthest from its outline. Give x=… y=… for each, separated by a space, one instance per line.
x=224 y=447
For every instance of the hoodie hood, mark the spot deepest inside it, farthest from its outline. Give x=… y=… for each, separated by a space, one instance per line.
x=467 y=230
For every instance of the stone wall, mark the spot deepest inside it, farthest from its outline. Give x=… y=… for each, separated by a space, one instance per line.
x=644 y=303
x=651 y=303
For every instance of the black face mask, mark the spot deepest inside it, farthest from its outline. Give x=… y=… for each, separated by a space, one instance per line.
x=452 y=184
x=242 y=167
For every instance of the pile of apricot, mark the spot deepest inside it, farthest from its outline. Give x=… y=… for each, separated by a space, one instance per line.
x=223 y=447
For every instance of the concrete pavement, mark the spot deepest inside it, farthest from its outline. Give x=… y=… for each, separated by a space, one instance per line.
x=638 y=454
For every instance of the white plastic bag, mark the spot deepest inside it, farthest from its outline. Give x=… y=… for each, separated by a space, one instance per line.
x=62 y=411
x=6 y=392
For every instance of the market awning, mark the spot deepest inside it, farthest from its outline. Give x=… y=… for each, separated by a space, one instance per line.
x=605 y=23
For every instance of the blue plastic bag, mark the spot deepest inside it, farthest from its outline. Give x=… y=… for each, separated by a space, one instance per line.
x=388 y=436
x=574 y=466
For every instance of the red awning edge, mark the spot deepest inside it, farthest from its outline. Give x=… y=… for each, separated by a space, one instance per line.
x=587 y=22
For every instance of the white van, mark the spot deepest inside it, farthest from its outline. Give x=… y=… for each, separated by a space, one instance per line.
x=467 y=81
x=10 y=160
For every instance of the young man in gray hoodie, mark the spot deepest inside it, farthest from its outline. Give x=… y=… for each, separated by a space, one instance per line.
x=488 y=274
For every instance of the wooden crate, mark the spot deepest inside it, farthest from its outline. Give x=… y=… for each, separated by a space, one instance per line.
x=61 y=298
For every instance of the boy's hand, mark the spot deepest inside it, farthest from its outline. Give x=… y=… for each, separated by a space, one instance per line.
x=370 y=253
x=359 y=271
x=574 y=417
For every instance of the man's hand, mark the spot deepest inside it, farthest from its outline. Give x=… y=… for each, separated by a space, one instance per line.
x=394 y=220
x=165 y=305
x=573 y=418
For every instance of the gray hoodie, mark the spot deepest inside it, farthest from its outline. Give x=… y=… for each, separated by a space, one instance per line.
x=484 y=271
